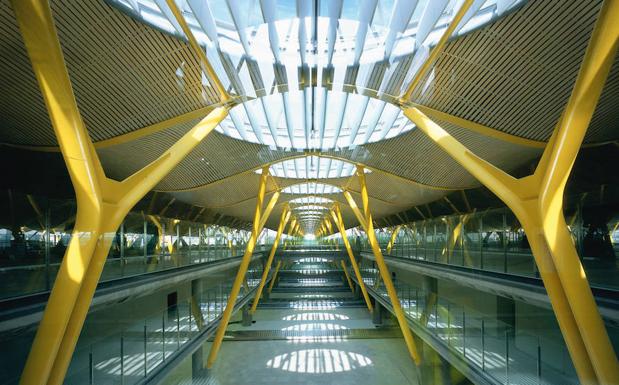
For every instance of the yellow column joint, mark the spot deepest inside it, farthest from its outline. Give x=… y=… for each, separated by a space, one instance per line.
x=394 y=235
x=339 y=222
x=265 y=273
x=240 y=276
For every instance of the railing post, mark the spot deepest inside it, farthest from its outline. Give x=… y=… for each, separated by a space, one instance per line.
x=483 y=346
x=145 y=241
x=122 y=359
x=145 y=349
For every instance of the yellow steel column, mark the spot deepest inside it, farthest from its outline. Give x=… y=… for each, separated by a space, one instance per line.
x=198 y=50
x=37 y=28
x=240 y=276
x=537 y=201
x=393 y=237
x=102 y=203
x=346 y=274
x=597 y=62
x=282 y=223
x=339 y=222
x=268 y=209
x=511 y=191
x=382 y=267
x=279 y=264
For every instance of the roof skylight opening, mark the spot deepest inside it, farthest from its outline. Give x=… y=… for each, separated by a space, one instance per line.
x=310 y=207
x=311 y=200
x=341 y=120
x=310 y=212
x=313 y=188
x=312 y=167
x=265 y=47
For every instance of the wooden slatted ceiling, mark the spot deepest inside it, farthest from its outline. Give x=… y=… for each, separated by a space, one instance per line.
x=516 y=74
x=23 y=115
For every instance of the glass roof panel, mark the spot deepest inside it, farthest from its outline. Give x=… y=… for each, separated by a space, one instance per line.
x=311 y=200
x=311 y=207
x=312 y=188
x=270 y=120
x=312 y=167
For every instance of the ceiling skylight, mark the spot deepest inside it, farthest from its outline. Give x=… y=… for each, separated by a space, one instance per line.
x=311 y=200
x=313 y=188
x=351 y=52
x=312 y=167
x=311 y=207
x=338 y=120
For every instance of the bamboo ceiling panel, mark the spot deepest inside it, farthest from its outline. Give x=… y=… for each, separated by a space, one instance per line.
x=23 y=115
x=125 y=75
x=414 y=156
x=215 y=158
x=516 y=74
x=604 y=125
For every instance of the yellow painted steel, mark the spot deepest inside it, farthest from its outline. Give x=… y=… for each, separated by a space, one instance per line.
x=479 y=128
x=286 y=213
x=573 y=126
x=537 y=202
x=355 y=209
x=382 y=267
x=102 y=203
x=343 y=264
x=240 y=276
x=339 y=222
x=329 y=227
x=394 y=234
x=268 y=209
x=438 y=48
x=279 y=264
x=158 y=127
x=199 y=51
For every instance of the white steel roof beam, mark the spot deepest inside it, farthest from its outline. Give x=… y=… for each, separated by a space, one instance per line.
x=431 y=14
x=269 y=13
x=303 y=12
x=366 y=13
x=239 y=22
x=334 y=12
x=204 y=16
x=360 y=112
x=401 y=14
x=377 y=113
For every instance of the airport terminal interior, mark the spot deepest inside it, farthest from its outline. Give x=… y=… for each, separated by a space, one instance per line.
x=333 y=192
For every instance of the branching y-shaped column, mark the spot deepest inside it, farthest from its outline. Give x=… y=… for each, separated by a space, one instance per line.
x=537 y=202
x=102 y=203
x=337 y=219
x=286 y=213
x=260 y=219
x=394 y=235
x=345 y=269
x=367 y=224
